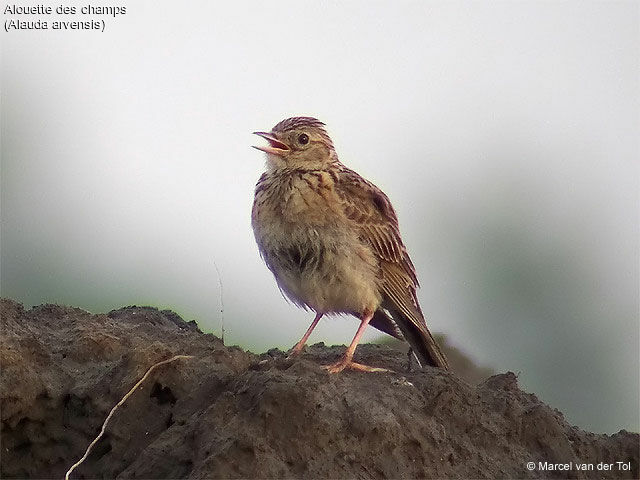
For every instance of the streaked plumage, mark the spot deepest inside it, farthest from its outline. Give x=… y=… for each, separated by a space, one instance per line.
x=332 y=241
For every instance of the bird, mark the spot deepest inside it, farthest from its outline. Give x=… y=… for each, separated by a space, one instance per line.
x=332 y=241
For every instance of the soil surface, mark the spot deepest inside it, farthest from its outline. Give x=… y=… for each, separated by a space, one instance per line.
x=227 y=413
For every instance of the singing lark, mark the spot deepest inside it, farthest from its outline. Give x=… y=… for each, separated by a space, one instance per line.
x=332 y=241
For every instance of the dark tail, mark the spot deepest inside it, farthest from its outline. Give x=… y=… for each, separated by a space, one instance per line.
x=424 y=346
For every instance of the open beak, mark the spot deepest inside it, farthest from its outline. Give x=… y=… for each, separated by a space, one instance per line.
x=275 y=147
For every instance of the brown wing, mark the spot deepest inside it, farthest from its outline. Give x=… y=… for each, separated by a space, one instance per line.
x=400 y=314
x=371 y=211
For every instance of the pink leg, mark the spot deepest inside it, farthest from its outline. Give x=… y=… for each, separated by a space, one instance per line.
x=300 y=345
x=347 y=360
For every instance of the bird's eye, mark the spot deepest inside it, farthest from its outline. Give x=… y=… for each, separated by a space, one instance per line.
x=303 y=139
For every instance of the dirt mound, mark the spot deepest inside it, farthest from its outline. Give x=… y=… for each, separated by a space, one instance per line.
x=226 y=413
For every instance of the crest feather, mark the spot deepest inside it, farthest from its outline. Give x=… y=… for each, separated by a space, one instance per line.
x=297 y=122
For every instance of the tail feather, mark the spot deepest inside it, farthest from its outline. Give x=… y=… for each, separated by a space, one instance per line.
x=392 y=321
x=385 y=324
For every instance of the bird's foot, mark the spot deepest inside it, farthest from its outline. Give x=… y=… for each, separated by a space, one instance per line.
x=343 y=364
x=294 y=352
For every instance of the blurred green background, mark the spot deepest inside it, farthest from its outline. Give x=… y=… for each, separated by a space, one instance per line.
x=505 y=133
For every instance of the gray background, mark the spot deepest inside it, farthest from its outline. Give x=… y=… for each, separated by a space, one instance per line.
x=506 y=135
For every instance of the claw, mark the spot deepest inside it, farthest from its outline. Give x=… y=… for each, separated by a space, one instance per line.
x=343 y=364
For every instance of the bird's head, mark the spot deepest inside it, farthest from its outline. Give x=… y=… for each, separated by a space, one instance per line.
x=298 y=142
